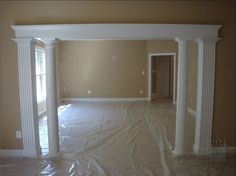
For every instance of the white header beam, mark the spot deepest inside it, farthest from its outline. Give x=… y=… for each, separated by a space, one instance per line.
x=117 y=31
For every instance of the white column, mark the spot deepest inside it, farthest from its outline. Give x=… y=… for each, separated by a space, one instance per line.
x=28 y=101
x=53 y=132
x=205 y=94
x=182 y=91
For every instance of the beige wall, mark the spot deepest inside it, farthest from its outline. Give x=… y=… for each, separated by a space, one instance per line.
x=110 y=69
x=162 y=46
x=192 y=74
x=88 y=65
x=43 y=12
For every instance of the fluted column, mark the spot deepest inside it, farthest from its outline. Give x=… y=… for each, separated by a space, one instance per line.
x=205 y=94
x=52 y=117
x=28 y=101
x=182 y=92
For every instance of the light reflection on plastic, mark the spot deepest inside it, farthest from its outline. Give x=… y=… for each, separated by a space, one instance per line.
x=47 y=168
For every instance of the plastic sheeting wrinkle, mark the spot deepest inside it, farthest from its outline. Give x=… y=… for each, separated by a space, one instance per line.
x=158 y=137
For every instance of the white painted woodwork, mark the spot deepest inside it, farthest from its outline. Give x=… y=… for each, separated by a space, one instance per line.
x=205 y=94
x=205 y=89
x=116 y=31
x=28 y=100
x=182 y=92
x=51 y=84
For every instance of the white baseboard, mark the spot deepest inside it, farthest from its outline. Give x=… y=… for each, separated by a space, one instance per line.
x=192 y=112
x=16 y=153
x=11 y=153
x=231 y=150
x=103 y=99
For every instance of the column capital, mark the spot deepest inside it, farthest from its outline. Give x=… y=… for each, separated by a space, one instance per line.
x=206 y=39
x=181 y=41
x=25 y=40
x=49 y=41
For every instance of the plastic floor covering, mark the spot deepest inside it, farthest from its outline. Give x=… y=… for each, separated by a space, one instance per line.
x=117 y=139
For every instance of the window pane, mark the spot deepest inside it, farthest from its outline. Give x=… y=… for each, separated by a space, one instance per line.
x=44 y=87
x=43 y=63
x=40 y=75
x=40 y=62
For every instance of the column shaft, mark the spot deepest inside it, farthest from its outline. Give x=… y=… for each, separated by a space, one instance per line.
x=205 y=95
x=52 y=116
x=182 y=90
x=28 y=100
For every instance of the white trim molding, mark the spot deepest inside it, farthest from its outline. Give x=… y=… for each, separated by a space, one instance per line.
x=117 y=31
x=26 y=33
x=11 y=153
x=103 y=99
x=16 y=153
x=230 y=150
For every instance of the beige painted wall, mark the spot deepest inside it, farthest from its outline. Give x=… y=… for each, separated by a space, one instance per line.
x=192 y=74
x=88 y=65
x=162 y=46
x=44 y=12
x=109 y=69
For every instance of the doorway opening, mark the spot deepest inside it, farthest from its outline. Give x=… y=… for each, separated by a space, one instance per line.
x=162 y=76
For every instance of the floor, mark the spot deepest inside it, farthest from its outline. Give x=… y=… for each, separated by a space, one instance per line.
x=118 y=139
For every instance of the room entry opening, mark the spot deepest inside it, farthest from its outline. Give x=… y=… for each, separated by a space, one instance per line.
x=163 y=77
x=206 y=37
